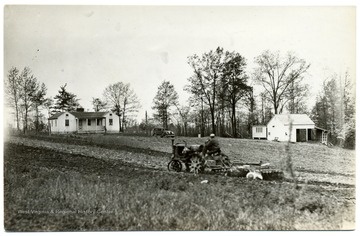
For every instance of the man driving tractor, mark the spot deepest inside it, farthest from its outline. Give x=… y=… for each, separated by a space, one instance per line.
x=212 y=146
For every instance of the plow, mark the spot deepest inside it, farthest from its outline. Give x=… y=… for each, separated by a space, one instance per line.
x=190 y=159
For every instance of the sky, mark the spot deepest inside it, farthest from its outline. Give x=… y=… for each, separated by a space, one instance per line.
x=90 y=47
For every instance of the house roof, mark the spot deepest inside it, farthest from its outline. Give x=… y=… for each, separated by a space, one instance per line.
x=296 y=119
x=55 y=116
x=88 y=115
x=81 y=115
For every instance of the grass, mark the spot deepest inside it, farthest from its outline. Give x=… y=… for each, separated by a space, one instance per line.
x=58 y=191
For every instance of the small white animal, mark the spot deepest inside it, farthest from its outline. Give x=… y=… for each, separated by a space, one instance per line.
x=254 y=175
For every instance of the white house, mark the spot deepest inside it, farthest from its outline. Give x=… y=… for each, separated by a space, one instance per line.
x=278 y=128
x=259 y=132
x=84 y=122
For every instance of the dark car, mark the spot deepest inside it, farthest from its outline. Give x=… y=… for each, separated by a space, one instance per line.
x=157 y=131
x=167 y=134
x=162 y=133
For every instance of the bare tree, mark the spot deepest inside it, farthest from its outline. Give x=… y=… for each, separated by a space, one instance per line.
x=122 y=100
x=234 y=84
x=265 y=109
x=332 y=96
x=98 y=104
x=348 y=127
x=276 y=75
x=197 y=102
x=219 y=79
x=12 y=92
x=207 y=74
x=28 y=88
x=38 y=100
x=184 y=112
x=130 y=103
x=296 y=98
x=113 y=96
x=165 y=98
x=49 y=105
x=250 y=104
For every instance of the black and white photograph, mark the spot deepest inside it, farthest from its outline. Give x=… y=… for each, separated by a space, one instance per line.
x=154 y=117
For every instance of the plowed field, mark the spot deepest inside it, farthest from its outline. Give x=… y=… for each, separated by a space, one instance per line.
x=83 y=183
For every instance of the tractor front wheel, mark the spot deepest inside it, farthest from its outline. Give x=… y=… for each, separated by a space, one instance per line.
x=174 y=165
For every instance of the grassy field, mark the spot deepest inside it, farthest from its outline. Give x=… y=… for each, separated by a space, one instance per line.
x=52 y=186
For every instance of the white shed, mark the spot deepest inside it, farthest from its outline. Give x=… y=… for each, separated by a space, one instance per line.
x=278 y=128
x=259 y=132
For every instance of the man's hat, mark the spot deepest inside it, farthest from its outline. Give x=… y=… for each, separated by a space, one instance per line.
x=212 y=135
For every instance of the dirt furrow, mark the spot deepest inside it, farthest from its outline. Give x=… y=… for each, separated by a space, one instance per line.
x=137 y=159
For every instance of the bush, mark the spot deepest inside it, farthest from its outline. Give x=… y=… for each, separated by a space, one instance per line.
x=350 y=140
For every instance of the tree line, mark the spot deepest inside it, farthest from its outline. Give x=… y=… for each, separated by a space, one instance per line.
x=334 y=110
x=222 y=93
x=223 y=98
x=25 y=94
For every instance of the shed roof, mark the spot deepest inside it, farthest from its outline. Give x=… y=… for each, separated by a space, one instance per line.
x=325 y=130
x=296 y=119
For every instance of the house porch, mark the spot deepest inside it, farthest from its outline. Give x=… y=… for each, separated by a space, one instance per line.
x=95 y=125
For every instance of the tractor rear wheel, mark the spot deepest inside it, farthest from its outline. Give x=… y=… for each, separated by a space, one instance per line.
x=196 y=165
x=174 y=165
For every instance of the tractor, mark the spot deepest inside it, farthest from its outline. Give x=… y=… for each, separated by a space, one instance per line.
x=191 y=157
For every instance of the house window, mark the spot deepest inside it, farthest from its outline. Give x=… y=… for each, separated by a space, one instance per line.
x=55 y=123
x=67 y=114
x=98 y=122
x=66 y=122
x=110 y=114
x=110 y=121
x=259 y=129
x=89 y=122
x=80 y=122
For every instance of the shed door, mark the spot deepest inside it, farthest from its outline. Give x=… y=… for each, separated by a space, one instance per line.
x=300 y=135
